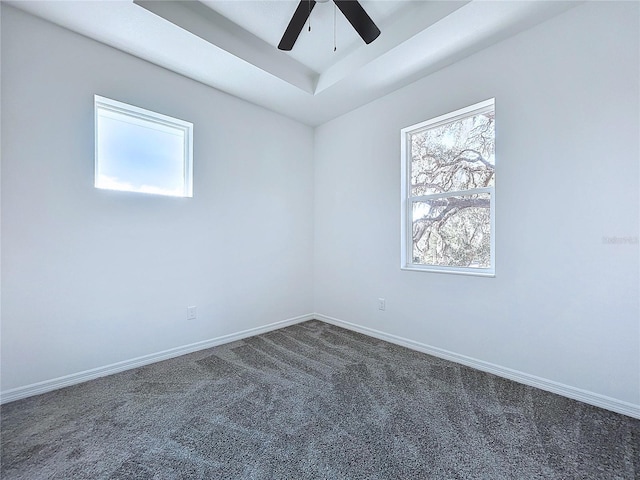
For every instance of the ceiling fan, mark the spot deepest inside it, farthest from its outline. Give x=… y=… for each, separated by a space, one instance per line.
x=351 y=9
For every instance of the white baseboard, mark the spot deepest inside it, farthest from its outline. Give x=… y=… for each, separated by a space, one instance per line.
x=609 y=403
x=568 y=391
x=75 y=378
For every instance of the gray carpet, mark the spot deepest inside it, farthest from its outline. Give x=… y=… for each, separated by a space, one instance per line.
x=312 y=401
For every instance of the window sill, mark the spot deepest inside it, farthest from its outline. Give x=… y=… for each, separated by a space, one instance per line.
x=412 y=268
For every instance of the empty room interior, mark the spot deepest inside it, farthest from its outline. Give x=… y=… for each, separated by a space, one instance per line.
x=394 y=239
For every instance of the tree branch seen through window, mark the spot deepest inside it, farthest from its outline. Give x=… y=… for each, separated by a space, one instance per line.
x=450 y=180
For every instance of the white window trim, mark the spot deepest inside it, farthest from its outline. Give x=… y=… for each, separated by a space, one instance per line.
x=406 y=200
x=166 y=122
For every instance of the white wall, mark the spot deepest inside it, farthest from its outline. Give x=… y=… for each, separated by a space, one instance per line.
x=563 y=305
x=93 y=277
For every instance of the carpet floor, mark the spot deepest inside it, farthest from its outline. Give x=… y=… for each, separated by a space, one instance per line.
x=312 y=401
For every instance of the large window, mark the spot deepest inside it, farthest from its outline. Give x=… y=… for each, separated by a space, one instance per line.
x=138 y=150
x=448 y=192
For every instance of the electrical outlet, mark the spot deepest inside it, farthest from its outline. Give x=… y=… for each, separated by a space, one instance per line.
x=382 y=304
x=191 y=313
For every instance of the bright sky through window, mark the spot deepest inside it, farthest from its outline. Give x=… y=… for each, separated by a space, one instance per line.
x=141 y=151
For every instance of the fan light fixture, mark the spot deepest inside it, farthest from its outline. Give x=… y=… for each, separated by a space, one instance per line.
x=351 y=9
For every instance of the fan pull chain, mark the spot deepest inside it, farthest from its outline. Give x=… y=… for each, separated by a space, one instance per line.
x=309 y=3
x=335 y=8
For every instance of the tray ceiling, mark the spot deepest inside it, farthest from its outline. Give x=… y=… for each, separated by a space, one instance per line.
x=231 y=45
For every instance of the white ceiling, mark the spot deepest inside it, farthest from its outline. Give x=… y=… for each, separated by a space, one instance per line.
x=268 y=19
x=231 y=44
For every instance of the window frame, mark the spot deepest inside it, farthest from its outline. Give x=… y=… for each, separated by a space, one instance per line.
x=139 y=116
x=407 y=200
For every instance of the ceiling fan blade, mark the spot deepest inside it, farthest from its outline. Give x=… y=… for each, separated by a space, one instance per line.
x=296 y=24
x=359 y=19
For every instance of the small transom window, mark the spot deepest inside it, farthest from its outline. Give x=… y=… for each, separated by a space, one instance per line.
x=137 y=150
